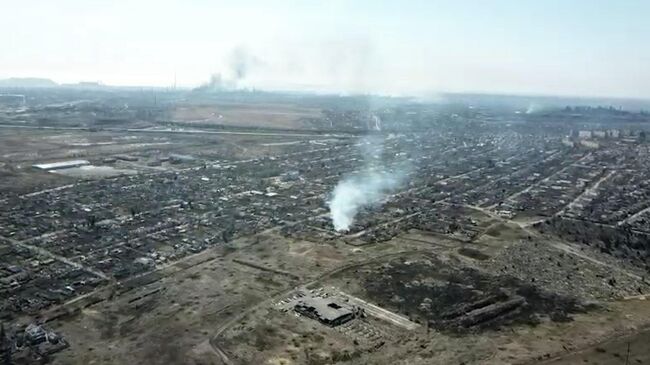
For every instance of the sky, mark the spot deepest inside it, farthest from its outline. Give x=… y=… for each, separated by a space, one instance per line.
x=407 y=47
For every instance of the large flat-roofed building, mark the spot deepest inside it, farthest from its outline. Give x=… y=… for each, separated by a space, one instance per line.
x=12 y=100
x=584 y=134
x=61 y=165
x=324 y=310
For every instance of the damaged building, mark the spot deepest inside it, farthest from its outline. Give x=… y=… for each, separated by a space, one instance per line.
x=324 y=310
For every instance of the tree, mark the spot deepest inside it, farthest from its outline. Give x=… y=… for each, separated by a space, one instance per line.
x=91 y=220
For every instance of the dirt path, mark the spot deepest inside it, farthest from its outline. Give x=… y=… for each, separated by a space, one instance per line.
x=575 y=252
x=633 y=217
x=382 y=313
x=632 y=349
x=559 y=245
x=591 y=190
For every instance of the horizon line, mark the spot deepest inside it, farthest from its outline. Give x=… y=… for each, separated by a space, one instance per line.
x=313 y=89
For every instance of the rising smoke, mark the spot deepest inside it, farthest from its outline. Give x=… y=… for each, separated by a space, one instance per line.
x=377 y=123
x=533 y=108
x=368 y=188
x=357 y=192
x=240 y=63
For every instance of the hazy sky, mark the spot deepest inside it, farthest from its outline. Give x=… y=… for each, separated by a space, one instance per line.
x=572 y=47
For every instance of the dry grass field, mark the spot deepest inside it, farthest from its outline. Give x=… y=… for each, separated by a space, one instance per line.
x=283 y=116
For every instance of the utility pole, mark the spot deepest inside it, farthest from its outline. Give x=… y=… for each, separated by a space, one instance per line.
x=5 y=346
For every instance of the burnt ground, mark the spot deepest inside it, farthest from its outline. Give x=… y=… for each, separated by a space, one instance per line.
x=462 y=300
x=619 y=241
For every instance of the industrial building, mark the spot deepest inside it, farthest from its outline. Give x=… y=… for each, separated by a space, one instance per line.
x=61 y=165
x=324 y=310
x=12 y=100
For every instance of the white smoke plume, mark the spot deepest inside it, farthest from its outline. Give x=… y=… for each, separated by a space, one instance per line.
x=533 y=108
x=377 y=121
x=356 y=192
x=365 y=189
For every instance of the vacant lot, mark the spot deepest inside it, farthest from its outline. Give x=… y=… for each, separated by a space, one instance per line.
x=283 y=116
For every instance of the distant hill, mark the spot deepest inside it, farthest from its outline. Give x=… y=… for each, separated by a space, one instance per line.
x=27 y=82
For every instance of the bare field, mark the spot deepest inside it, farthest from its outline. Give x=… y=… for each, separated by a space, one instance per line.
x=621 y=350
x=283 y=116
x=160 y=322
x=197 y=297
x=20 y=149
x=18 y=180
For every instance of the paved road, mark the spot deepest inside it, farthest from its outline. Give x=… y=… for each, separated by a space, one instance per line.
x=382 y=313
x=185 y=131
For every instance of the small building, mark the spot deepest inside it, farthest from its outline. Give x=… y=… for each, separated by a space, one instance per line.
x=176 y=158
x=35 y=334
x=324 y=310
x=128 y=158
